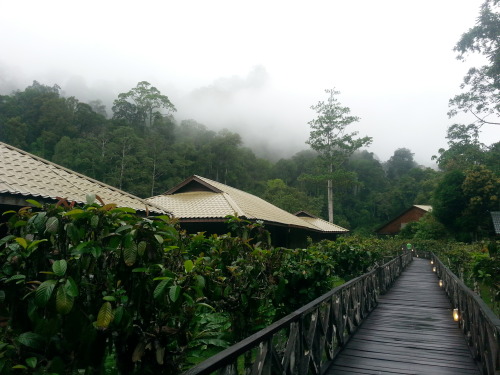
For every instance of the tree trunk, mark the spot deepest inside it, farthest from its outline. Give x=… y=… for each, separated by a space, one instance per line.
x=153 y=177
x=330 y=201
x=330 y=197
x=122 y=167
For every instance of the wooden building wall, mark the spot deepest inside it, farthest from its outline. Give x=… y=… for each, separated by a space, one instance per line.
x=394 y=226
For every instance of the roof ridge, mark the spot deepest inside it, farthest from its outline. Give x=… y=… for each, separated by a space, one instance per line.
x=209 y=181
x=233 y=204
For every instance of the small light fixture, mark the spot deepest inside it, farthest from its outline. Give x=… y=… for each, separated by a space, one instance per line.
x=432 y=262
x=417 y=256
x=434 y=269
x=456 y=315
x=441 y=283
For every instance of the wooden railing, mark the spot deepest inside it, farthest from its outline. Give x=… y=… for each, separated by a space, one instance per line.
x=424 y=254
x=307 y=340
x=479 y=324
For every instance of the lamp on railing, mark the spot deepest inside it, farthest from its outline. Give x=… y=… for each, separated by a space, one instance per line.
x=441 y=283
x=434 y=269
x=456 y=315
x=432 y=262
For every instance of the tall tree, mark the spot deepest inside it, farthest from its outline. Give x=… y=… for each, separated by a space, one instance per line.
x=400 y=163
x=482 y=85
x=464 y=150
x=141 y=104
x=329 y=137
x=449 y=201
x=462 y=201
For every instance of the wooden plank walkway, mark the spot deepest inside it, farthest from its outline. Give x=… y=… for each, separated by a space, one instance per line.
x=411 y=331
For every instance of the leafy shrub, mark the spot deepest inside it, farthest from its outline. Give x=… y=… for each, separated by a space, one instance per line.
x=98 y=288
x=80 y=285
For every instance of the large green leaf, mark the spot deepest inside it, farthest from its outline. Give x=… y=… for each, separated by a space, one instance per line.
x=64 y=302
x=141 y=248
x=130 y=254
x=31 y=339
x=6 y=239
x=123 y=209
x=94 y=221
x=160 y=288
x=73 y=212
x=188 y=265
x=118 y=314
x=34 y=203
x=31 y=362
x=105 y=315
x=73 y=232
x=38 y=221
x=52 y=224
x=15 y=277
x=33 y=245
x=174 y=292
x=44 y=292
x=71 y=288
x=59 y=267
x=21 y=241
x=200 y=281
x=124 y=228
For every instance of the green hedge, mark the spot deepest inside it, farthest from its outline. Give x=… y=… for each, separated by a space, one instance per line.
x=99 y=288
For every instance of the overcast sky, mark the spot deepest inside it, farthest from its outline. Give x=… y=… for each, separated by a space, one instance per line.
x=254 y=67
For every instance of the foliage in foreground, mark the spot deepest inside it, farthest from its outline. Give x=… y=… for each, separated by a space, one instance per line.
x=98 y=288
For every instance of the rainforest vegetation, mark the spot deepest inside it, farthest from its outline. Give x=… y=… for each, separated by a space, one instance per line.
x=145 y=152
x=99 y=289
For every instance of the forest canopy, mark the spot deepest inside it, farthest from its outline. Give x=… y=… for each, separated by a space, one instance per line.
x=142 y=149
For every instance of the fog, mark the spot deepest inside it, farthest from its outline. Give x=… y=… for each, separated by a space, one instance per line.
x=255 y=67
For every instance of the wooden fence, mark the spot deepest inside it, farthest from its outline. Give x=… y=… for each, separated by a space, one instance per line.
x=479 y=324
x=307 y=340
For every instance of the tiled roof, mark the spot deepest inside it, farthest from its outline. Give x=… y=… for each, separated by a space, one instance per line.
x=24 y=174
x=323 y=225
x=423 y=207
x=197 y=204
x=495 y=216
x=201 y=198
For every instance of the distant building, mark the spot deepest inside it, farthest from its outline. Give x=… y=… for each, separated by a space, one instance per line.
x=201 y=205
x=26 y=176
x=411 y=215
x=495 y=217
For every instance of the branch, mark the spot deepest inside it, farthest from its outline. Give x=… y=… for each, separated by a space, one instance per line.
x=483 y=120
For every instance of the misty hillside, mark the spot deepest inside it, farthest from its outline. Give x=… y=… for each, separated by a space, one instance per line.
x=142 y=149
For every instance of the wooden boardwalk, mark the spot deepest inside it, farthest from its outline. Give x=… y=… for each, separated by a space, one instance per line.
x=410 y=332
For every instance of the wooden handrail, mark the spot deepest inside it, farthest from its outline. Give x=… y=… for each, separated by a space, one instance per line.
x=307 y=340
x=479 y=324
